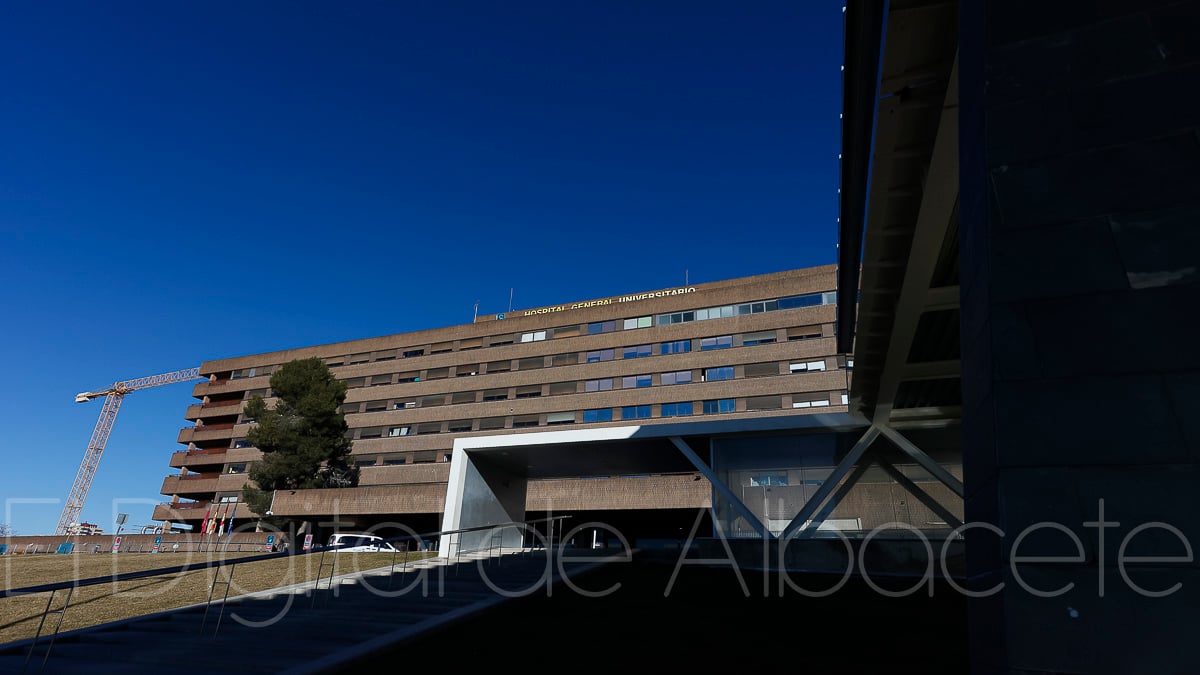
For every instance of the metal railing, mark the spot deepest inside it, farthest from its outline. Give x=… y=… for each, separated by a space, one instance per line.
x=229 y=566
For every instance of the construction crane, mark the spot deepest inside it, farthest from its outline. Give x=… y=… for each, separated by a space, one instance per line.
x=108 y=414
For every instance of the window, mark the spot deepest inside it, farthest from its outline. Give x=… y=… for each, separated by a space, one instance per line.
x=531 y=363
x=458 y=425
x=377 y=380
x=639 y=322
x=600 y=355
x=677 y=409
x=371 y=432
x=601 y=327
x=764 y=403
x=237 y=468
x=599 y=415
x=429 y=428
x=716 y=342
x=636 y=381
x=241 y=443
x=560 y=418
x=425 y=457
x=809 y=300
x=470 y=343
x=489 y=423
x=395 y=432
x=804 y=333
x=401 y=405
x=723 y=405
x=761 y=369
x=355 y=359
x=393 y=461
x=349 y=408
x=760 y=338
x=495 y=395
x=535 y=336
x=636 y=351
x=766 y=479
x=466 y=371
x=401 y=378
x=433 y=401
x=559 y=388
x=677 y=377
x=441 y=348
x=413 y=352
x=530 y=391
x=676 y=347
x=355 y=382
x=375 y=406
x=566 y=331
x=499 y=366
x=845 y=399
x=605 y=384
x=365 y=461
x=523 y=421
x=635 y=412
x=810 y=404
x=721 y=373
x=437 y=373
x=564 y=359
x=807 y=366
x=462 y=397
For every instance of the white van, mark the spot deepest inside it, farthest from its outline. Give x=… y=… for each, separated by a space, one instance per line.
x=358 y=543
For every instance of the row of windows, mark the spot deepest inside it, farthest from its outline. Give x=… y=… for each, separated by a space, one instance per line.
x=642 y=381
x=538 y=362
x=674 y=409
x=594 y=328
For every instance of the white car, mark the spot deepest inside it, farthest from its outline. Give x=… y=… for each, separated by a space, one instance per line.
x=360 y=543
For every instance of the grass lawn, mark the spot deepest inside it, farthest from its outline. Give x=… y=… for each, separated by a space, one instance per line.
x=91 y=605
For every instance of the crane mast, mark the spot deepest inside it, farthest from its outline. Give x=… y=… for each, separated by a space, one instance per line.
x=113 y=396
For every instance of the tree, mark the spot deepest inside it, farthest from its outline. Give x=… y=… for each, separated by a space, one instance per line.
x=6 y=531
x=303 y=438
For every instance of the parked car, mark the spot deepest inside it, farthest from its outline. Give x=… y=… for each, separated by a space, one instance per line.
x=359 y=543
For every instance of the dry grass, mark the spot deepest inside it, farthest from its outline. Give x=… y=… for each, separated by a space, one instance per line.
x=111 y=601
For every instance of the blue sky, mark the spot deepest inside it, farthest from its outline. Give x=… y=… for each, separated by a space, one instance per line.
x=189 y=181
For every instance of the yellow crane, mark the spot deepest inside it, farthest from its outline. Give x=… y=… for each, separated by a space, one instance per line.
x=108 y=415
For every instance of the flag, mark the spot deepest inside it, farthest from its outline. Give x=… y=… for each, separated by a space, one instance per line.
x=229 y=532
x=221 y=528
x=204 y=523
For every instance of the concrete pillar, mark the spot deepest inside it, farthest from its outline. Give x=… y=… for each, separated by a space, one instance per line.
x=481 y=493
x=1080 y=258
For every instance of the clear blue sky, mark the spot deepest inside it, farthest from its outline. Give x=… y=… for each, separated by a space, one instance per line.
x=189 y=181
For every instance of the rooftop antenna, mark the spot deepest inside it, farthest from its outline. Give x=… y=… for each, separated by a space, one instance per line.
x=685 y=276
x=475 y=316
x=510 y=292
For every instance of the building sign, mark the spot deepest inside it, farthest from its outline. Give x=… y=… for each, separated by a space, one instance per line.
x=157 y=544
x=307 y=541
x=608 y=301
x=116 y=544
x=270 y=542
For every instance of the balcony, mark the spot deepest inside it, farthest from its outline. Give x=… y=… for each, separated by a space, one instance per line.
x=207 y=432
x=203 y=483
x=194 y=511
x=198 y=457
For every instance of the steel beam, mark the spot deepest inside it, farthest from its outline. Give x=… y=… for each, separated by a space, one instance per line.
x=938 y=200
x=924 y=460
x=926 y=499
x=815 y=524
x=719 y=486
x=843 y=468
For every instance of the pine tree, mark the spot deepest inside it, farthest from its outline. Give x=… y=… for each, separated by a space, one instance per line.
x=302 y=438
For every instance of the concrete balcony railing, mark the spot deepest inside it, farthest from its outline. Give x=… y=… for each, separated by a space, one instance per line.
x=205 y=433
x=404 y=474
x=198 y=457
x=191 y=484
x=194 y=511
